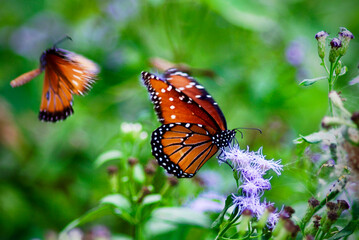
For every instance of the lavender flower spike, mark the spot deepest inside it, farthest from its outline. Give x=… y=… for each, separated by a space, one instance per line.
x=251 y=167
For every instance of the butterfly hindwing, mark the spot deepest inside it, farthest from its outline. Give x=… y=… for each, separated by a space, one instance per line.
x=182 y=148
x=56 y=100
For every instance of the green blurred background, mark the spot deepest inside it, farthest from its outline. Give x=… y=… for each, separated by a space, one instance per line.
x=259 y=51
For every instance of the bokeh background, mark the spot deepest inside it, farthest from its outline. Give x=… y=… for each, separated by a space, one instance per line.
x=255 y=51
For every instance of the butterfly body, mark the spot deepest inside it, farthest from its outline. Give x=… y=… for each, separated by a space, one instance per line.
x=66 y=73
x=193 y=129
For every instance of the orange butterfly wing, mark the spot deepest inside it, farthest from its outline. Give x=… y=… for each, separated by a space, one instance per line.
x=194 y=90
x=66 y=73
x=173 y=106
x=182 y=148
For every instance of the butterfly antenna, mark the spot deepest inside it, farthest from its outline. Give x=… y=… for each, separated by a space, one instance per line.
x=61 y=40
x=236 y=129
x=257 y=129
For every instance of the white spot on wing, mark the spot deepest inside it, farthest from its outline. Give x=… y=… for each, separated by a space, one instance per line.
x=173 y=116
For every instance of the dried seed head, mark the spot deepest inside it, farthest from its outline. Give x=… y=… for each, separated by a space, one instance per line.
x=343 y=205
x=332 y=216
x=111 y=170
x=313 y=202
x=331 y=206
x=132 y=161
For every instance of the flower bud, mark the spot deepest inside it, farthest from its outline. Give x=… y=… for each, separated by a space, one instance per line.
x=331 y=206
x=150 y=169
x=335 y=44
x=342 y=205
x=345 y=36
x=246 y=217
x=321 y=36
x=144 y=192
x=112 y=170
x=336 y=100
x=263 y=220
x=313 y=202
x=338 y=68
x=132 y=161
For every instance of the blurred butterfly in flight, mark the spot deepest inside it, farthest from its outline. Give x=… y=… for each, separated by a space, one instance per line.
x=193 y=126
x=66 y=73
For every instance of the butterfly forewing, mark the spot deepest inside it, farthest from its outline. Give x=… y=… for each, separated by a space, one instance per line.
x=182 y=148
x=189 y=86
x=173 y=106
x=77 y=72
x=66 y=73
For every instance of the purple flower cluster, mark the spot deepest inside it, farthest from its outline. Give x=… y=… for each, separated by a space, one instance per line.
x=251 y=167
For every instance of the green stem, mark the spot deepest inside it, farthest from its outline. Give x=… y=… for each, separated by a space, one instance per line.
x=228 y=226
x=330 y=82
x=325 y=66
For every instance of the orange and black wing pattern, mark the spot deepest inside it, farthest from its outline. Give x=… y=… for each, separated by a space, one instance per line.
x=182 y=148
x=194 y=127
x=66 y=73
x=189 y=86
x=174 y=106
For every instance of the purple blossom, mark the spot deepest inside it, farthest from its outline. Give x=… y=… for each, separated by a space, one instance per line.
x=210 y=179
x=251 y=167
x=208 y=202
x=336 y=43
x=321 y=34
x=295 y=53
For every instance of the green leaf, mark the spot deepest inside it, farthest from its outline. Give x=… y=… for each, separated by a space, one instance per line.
x=220 y=218
x=343 y=71
x=346 y=231
x=89 y=216
x=247 y=14
x=181 y=215
x=118 y=201
x=138 y=173
x=315 y=138
x=152 y=198
x=308 y=82
x=107 y=156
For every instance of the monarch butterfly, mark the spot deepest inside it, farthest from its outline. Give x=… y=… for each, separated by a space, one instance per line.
x=66 y=73
x=193 y=126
